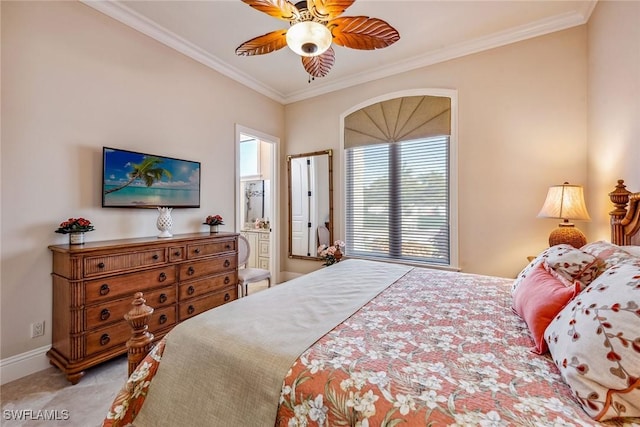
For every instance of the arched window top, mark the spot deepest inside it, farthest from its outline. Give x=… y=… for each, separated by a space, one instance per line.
x=399 y=119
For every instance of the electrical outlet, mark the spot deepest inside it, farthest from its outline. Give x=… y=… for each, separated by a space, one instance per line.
x=37 y=329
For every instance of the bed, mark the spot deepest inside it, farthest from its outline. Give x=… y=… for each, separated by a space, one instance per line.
x=364 y=343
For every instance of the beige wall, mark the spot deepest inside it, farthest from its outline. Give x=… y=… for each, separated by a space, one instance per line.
x=74 y=80
x=614 y=106
x=522 y=127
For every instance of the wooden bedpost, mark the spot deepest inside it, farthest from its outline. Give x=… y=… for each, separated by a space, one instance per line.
x=141 y=339
x=620 y=199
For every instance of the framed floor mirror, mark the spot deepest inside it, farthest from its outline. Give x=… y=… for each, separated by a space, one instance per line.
x=310 y=178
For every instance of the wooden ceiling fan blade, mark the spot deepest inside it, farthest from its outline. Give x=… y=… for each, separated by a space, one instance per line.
x=266 y=43
x=362 y=32
x=326 y=10
x=281 y=9
x=319 y=66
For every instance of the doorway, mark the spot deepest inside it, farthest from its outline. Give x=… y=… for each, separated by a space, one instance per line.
x=257 y=197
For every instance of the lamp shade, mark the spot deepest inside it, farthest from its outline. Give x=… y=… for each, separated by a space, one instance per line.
x=565 y=201
x=309 y=38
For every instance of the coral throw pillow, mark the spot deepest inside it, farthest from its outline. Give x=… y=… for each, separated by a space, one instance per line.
x=538 y=299
x=595 y=342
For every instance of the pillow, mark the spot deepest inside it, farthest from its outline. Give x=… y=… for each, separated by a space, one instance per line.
x=607 y=253
x=595 y=342
x=633 y=250
x=567 y=261
x=538 y=299
x=558 y=276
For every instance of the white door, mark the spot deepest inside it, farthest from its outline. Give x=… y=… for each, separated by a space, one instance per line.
x=300 y=206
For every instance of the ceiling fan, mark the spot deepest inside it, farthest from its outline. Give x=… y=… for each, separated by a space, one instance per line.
x=314 y=25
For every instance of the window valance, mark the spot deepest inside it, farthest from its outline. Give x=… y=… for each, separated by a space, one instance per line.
x=398 y=119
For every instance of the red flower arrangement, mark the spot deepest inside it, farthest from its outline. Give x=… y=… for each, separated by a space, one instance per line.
x=75 y=225
x=214 y=220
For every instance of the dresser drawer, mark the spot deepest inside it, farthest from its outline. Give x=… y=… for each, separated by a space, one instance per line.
x=176 y=253
x=263 y=248
x=263 y=236
x=127 y=284
x=114 y=310
x=196 y=306
x=263 y=263
x=103 y=339
x=194 y=270
x=199 y=250
x=103 y=264
x=196 y=288
x=117 y=334
x=162 y=318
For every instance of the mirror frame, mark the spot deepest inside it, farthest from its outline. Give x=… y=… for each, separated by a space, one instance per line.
x=329 y=153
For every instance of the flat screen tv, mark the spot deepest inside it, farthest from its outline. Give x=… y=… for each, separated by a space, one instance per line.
x=138 y=180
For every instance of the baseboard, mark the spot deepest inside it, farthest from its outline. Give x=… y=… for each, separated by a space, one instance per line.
x=21 y=365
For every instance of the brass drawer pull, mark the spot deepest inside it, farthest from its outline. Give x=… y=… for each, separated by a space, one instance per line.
x=104 y=289
x=162 y=298
x=105 y=314
x=155 y=256
x=226 y=280
x=191 y=290
x=104 y=339
x=163 y=319
x=191 y=309
x=227 y=263
x=197 y=250
x=227 y=246
x=190 y=271
x=227 y=297
x=176 y=253
x=101 y=265
x=162 y=277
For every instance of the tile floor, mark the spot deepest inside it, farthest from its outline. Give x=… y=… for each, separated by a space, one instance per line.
x=84 y=404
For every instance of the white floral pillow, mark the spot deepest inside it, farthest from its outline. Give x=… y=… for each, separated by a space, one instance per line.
x=566 y=262
x=595 y=342
x=607 y=253
x=633 y=250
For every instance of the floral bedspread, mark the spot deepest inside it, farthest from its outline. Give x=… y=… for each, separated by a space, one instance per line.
x=436 y=348
x=131 y=396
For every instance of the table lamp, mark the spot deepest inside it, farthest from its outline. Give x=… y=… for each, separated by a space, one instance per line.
x=566 y=202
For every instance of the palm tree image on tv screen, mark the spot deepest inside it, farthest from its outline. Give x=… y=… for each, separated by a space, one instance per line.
x=132 y=179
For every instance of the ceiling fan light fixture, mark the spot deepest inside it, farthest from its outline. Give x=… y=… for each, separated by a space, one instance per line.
x=309 y=38
x=314 y=26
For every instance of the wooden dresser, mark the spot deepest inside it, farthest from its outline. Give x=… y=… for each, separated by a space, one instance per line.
x=94 y=284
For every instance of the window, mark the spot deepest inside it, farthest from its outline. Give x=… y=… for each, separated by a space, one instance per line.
x=250 y=158
x=400 y=179
x=398 y=201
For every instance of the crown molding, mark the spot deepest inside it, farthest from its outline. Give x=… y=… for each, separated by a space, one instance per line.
x=144 y=25
x=512 y=35
x=587 y=9
x=140 y=23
